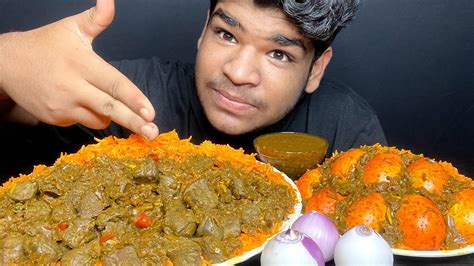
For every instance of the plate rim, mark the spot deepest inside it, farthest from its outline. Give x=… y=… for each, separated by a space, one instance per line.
x=433 y=253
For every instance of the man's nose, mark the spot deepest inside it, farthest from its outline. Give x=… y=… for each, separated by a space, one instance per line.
x=242 y=67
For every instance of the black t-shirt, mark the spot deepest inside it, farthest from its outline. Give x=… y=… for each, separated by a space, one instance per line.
x=333 y=111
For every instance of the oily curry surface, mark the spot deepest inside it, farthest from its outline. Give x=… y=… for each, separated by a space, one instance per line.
x=414 y=202
x=137 y=202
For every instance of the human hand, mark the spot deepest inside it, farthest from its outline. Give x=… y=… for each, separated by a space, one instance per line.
x=53 y=74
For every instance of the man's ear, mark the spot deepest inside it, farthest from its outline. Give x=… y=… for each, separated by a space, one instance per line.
x=317 y=71
x=203 y=30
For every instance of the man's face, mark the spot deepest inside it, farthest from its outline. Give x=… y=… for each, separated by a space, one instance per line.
x=251 y=68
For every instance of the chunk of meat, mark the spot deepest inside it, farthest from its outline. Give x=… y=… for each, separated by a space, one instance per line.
x=168 y=186
x=212 y=248
x=118 y=187
x=81 y=256
x=230 y=224
x=124 y=256
x=79 y=232
x=112 y=214
x=178 y=219
x=209 y=227
x=90 y=205
x=12 y=250
x=24 y=191
x=200 y=195
x=44 y=251
x=37 y=210
x=239 y=188
x=39 y=229
x=63 y=212
x=251 y=217
x=183 y=252
x=145 y=171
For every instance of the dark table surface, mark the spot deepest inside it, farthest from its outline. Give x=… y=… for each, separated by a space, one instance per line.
x=399 y=260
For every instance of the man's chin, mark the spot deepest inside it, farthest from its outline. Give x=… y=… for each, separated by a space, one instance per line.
x=232 y=131
x=231 y=128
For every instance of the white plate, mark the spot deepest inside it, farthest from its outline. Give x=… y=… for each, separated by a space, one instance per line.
x=297 y=212
x=433 y=254
x=285 y=225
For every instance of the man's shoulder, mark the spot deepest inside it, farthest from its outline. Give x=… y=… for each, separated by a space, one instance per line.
x=338 y=113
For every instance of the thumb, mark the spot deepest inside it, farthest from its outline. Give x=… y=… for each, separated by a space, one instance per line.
x=95 y=20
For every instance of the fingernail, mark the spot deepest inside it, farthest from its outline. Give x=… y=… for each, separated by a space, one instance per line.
x=144 y=113
x=147 y=132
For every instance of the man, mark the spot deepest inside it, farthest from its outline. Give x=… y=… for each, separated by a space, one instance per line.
x=259 y=69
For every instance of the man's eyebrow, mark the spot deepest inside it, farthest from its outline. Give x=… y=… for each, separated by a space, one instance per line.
x=287 y=41
x=226 y=18
x=279 y=38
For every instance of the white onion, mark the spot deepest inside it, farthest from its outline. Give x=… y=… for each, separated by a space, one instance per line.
x=362 y=246
x=291 y=248
x=321 y=229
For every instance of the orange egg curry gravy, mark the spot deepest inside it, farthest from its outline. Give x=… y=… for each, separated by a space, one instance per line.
x=414 y=202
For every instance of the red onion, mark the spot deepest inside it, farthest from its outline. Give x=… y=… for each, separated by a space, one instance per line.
x=321 y=229
x=291 y=248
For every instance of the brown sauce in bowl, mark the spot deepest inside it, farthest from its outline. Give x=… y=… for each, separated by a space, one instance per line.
x=291 y=152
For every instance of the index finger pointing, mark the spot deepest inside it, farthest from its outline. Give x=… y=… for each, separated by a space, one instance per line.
x=108 y=79
x=103 y=105
x=121 y=115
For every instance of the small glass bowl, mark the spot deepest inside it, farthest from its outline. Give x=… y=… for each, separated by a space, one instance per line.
x=291 y=152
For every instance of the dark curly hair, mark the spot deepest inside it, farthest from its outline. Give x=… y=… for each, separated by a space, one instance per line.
x=318 y=20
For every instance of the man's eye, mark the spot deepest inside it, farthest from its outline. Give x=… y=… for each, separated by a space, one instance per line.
x=280 y=55
x=225 y=35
